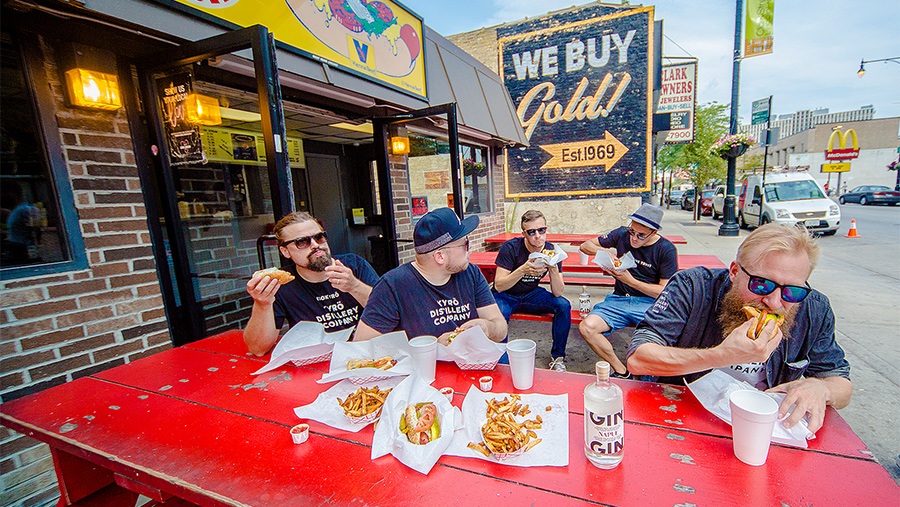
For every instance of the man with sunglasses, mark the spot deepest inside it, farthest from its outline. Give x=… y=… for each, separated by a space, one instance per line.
x=330 y=290
x=636 y=289
x=439 y=291
x=697 y=324
x=516 y=286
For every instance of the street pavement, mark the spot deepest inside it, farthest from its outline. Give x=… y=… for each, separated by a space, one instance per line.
x=861 y=278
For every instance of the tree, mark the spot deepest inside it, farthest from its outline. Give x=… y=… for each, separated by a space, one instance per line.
x=710 y=123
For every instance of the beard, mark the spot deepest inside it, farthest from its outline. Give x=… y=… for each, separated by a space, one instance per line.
x=319 y=263
x=732 y=315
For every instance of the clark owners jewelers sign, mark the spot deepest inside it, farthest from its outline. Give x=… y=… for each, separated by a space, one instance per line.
x=582 y=94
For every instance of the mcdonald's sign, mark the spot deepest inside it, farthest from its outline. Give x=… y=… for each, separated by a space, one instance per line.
x=842 y=152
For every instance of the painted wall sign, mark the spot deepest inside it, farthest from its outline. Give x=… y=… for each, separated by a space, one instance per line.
x=183 y=138
x=377 y=39
x=582 y=94
x=678 y=96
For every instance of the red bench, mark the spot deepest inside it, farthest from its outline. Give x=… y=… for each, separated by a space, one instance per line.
x=546 y=317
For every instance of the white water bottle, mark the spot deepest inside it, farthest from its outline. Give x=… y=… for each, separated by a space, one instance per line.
x=604 y=420
x=584 y=302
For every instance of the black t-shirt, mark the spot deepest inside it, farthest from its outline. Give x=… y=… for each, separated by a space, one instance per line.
x=299 y=300
x=654 y=262
x=513 y=254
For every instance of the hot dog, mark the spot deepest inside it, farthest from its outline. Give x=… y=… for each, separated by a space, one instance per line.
x=282 y=276
x=420 y=423
x=762 y=316
x=384 y=363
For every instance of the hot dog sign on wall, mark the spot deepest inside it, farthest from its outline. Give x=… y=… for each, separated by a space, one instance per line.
x=378 y=39
x=583 y=96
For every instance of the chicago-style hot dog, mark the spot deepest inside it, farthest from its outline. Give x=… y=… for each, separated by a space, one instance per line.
x=420 y=423
x=384 y=363
x=282 y=276
x=762 y=316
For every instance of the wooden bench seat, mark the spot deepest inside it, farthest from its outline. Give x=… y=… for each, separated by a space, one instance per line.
x=546 y=317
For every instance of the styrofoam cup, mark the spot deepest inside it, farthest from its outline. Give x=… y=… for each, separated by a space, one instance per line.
x=583 y=258
x=521 y=362
x=424 y=355
x=753 y=417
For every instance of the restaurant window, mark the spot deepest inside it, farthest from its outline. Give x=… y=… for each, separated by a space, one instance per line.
x=430 y=182
x=38 y=223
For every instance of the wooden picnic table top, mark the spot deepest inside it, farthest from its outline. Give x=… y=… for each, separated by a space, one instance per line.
x=571 y=239
x=194 y=423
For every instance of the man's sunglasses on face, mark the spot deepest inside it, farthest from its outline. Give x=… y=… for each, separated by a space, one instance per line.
x=763 y=287
x=639 y=235
x=539 y=230
x=304 y=241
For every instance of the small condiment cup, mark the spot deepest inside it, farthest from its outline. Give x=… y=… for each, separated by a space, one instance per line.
x=448 y=393
x=487 y=382
x=300 y=433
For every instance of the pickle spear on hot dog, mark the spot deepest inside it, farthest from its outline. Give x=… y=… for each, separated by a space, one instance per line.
x=761 y=316
x=420 y=423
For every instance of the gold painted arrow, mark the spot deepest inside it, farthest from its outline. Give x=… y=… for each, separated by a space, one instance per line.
x=605 y=152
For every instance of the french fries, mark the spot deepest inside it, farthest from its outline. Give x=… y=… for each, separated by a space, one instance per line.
x=363 y=401
x=502 y=433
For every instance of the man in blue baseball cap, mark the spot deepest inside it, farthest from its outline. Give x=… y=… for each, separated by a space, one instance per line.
x=437 y=293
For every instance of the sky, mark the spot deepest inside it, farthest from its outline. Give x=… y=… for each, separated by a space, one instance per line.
x=818 y=45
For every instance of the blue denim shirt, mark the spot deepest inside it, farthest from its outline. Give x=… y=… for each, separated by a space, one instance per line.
x=686 y=315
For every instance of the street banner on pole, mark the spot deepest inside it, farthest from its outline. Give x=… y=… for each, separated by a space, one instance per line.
x=759 y=113
x=758 y=31
x=677 y=96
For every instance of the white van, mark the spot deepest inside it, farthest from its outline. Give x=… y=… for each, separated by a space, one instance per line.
x=789 y=198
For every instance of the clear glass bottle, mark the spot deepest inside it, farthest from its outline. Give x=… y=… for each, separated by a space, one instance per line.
x=584 y=302
x=604 y=420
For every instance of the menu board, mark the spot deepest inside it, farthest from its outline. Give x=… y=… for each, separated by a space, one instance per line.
x=241 y=147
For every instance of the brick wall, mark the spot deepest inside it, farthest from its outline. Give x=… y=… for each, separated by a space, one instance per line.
x=60 y=327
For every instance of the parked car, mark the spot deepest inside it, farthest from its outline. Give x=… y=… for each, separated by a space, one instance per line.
x=675 y=197
x=706 y=203
x=788 y=198
x=719 y=202
x=687 y=200
x=871 y=194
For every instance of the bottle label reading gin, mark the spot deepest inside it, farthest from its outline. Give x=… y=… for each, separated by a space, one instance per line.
x=605 y=433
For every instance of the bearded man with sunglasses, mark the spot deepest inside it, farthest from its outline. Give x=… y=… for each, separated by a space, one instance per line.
x=636 y=288
x=697 y=324
x=330 y=290
x=516 y=283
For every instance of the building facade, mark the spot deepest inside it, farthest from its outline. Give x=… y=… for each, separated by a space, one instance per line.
x=799 y=121
x=131 y=221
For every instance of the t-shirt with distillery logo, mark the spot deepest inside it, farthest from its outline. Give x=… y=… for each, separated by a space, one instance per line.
x=751 y=373
x=405 y=300
x=654 y=262
x=299 y=300
x=513 y=254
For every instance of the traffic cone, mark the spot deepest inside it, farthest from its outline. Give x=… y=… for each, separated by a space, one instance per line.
x=852 y=232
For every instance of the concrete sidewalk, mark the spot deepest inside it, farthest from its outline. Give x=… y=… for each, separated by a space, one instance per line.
x=872 y=413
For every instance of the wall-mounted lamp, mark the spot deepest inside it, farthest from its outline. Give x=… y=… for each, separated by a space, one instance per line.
x=862 y=64
x=203 y=110
x=92 y=89
x=399 y=145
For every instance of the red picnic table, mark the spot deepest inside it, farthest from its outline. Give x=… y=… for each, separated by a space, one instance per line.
x=571 y=239
x=572 y=267
x=192 y=423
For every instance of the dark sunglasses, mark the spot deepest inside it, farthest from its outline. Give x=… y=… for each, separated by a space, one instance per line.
x=304 y=241
x=640 y=236
x=539 y=230
x=763 y=287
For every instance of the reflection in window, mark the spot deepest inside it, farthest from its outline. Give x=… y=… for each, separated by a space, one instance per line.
x=430 y=181
x=31 y=230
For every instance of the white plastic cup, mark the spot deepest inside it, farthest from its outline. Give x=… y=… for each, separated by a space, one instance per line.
x=753 y=417
x=583 y=258
x=521 y=362
x=424 y=355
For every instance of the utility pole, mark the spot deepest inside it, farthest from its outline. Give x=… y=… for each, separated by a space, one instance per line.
x=729 y=225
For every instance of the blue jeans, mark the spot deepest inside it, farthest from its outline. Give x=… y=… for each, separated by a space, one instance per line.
x=622 y=311
x=537 y=302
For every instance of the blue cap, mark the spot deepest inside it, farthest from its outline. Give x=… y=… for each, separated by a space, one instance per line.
x=439 y=227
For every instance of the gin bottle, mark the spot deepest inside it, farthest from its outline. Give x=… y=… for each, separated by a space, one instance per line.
x=604 y=422
x=584 y=302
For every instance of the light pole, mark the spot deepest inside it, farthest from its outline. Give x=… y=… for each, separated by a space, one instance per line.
x=729 y=225
x=862 y=64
